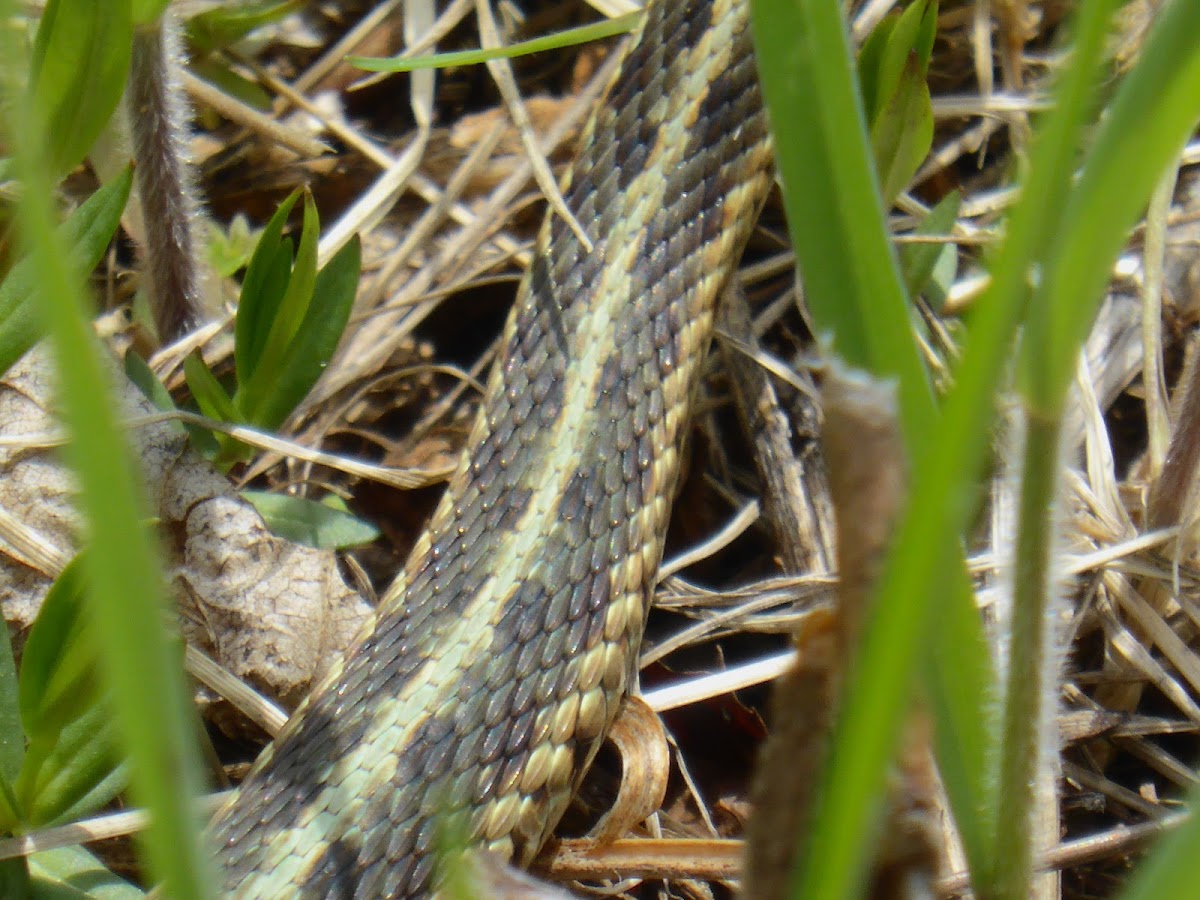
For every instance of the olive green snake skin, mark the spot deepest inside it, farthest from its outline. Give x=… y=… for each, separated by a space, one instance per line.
x=498 y=661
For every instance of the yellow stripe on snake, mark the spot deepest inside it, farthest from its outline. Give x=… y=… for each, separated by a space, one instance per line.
x=498 y=660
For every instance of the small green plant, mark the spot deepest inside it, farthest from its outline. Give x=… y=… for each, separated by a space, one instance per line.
x=229 y=249
x=86 y=234
x=100 y=682
x=325 y=524
x=218 y=28
x=59 y=761
x=893 y=66
x=290 y=318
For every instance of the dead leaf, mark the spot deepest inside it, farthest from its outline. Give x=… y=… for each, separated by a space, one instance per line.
x=269 y=611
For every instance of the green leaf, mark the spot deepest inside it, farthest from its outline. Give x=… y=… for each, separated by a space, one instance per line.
x=14 y=878
x=143 y=378
x=1173 y=867
x=224 y=25
x=903 y=131
x=917 y=261
x=12 y=738
x=229 y=251
x=569 y=38
x=147 y=11
x=80 y=61
x=892 y=69
x=12 y=817
x=58 y=678
x=72 y=873
x=885 y=55
x=217 y=72
x=926 y=35
x=300 y=288
x=870 y=60
x=1154 y=110
x=262 y=291
x=310 y=522
x=86 y=235
x=901 y=42
x=80 y=775
x=210 y=396
x=261 y=393
x=215 y=403
x=305 y=358
x=227 y=23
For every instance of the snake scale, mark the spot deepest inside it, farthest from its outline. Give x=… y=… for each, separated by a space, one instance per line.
x=498 y=660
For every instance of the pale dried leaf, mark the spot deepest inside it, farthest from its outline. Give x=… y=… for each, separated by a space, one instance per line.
x=266 y=610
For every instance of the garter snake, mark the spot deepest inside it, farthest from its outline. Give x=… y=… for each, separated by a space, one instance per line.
x=498 y=660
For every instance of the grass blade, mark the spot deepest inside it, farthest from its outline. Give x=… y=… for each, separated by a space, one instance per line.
x=857 y=300
x=122 y=568
x=1155 y=109
x=569 y=38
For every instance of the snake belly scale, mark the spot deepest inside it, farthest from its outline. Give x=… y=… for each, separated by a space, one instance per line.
x=496 y=663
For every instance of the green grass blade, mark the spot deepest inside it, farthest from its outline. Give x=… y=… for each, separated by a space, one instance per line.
x=1173 y=868
x=262 y=291
x=947 y=459
x=72 y=872
x=569 y=38
x=129 y=608
x=857 y=300
x=80 y=61
x=12 y=738
x=852 y=282
x=1155 y=109
x=1119 y=172
x=267 y=402
x=960 y=445
x=86 y=235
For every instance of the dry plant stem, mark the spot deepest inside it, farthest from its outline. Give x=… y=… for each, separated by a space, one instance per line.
x=1171 y=493
x=864 y=455
x=1107 y=845
x=502 y=75
x=242 y=113
x=782 y=793
x=1157 y=424
x=1030 y=656
x=1176 y=482
x=158 y=121
x=797 y=501
x=581 y=859
x=713 y=860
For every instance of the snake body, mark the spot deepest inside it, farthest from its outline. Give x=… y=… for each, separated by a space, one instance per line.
x=497 y=662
